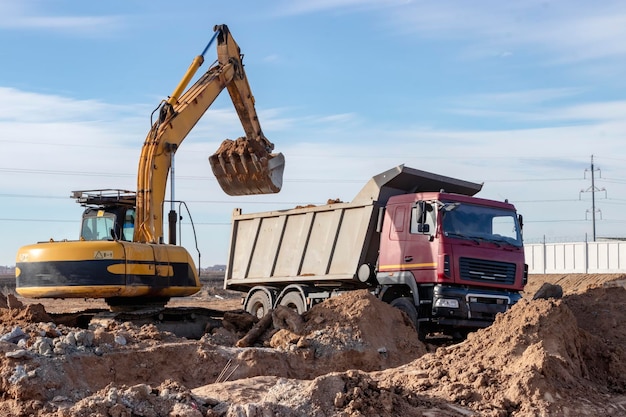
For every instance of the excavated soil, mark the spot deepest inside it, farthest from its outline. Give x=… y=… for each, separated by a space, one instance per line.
x=242 y=146
x=349 y=356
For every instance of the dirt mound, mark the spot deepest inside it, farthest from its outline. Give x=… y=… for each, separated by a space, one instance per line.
x=574 y=283
x=349 y=356
x=354 y=330
x=600 y=315
x=534 y=360
x=71 y=369
x=33 y=313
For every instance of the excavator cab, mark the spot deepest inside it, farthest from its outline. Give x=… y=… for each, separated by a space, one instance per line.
x=107 y=214
x=108 y=223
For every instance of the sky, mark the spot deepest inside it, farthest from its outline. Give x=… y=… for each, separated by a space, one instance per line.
x=526 y=97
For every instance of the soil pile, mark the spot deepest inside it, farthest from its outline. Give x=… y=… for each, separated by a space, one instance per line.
x=242 y=146
x=349 y=356
x=534 y=360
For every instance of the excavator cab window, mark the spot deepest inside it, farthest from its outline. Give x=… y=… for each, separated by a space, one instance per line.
x=98 y=225
x=129 y=225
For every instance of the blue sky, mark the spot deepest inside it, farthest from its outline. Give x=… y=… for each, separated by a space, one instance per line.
x=518 y=95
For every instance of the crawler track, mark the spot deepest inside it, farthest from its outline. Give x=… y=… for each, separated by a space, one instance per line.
x=189 y=322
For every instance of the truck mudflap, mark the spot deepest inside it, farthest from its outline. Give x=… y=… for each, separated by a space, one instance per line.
x=469 y=307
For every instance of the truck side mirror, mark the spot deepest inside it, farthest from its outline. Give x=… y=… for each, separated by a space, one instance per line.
x=419 y=212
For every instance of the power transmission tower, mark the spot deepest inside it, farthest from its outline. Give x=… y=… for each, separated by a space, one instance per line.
x=593 y=189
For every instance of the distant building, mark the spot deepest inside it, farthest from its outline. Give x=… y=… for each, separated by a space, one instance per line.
x=7 y=270
x=216 y=268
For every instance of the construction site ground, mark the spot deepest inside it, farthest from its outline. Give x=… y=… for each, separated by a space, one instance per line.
x=349 y=356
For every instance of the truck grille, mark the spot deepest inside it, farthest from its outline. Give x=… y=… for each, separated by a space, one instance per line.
x=487 y=271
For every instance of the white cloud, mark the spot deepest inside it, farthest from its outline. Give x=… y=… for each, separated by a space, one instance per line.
x=570 y=31
x=299 y=7
x=27 y=106
x=563 y=31
x=542 y=105
x=525 y=97
x=23 y=15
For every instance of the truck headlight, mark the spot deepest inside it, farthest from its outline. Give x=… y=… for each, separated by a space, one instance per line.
x=447 y=302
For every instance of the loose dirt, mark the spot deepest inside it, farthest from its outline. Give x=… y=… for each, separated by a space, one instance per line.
x=349 y=356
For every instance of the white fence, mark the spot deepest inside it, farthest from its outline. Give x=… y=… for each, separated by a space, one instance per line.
x=606 y=257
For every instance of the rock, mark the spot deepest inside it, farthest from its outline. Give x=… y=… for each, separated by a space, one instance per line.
x=14 y=336
x=84 y=338
x=43 y=346
x=286 y=318
x=13 y=302
x=3 y=301
x=18 y=374
x=548 y=290
x=18 y=354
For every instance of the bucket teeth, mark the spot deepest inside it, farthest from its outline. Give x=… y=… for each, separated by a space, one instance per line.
x=246 y=173
x=222 y=163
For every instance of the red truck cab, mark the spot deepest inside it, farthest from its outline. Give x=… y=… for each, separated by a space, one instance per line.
x=458 y=259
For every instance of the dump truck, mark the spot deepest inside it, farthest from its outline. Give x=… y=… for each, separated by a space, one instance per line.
x=419 y=241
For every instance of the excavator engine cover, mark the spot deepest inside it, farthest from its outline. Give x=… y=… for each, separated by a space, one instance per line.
x=245 y=167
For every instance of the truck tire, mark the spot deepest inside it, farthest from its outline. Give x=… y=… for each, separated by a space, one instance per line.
x=258 y=304
x=294 y=301
x=406 y=304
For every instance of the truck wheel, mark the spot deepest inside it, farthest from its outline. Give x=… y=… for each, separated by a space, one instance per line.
x=258 y=304
x=294 y=301
x=406 y=304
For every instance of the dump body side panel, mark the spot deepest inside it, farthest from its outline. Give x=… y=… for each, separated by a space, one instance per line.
x=323 y=243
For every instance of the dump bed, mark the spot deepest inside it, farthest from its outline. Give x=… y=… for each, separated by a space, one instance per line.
x=325 y=244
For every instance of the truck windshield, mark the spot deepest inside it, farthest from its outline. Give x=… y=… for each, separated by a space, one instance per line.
x=470 y=221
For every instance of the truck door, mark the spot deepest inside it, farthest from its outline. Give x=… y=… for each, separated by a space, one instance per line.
x=392 y=239
x=419 y=251
x=408 y=239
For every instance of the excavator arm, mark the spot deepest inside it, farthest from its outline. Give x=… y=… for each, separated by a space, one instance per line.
x=242 y=167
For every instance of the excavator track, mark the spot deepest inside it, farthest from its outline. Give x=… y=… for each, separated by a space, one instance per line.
x=188 y=322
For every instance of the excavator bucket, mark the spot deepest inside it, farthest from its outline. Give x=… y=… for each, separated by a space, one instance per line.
x=245 y=167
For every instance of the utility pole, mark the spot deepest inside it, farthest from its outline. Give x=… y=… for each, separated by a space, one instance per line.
x=593 y=189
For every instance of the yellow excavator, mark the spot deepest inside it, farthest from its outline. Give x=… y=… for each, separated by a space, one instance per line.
x=121 y=255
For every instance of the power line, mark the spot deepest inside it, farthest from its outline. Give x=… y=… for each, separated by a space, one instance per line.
x=209 y=178
x=556 y=221
x=78 y=221
x=47 y=197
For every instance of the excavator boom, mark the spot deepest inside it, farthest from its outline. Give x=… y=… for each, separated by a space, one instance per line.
x=243 y=166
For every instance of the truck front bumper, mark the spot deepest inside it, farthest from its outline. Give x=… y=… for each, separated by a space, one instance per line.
x=469 y=307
